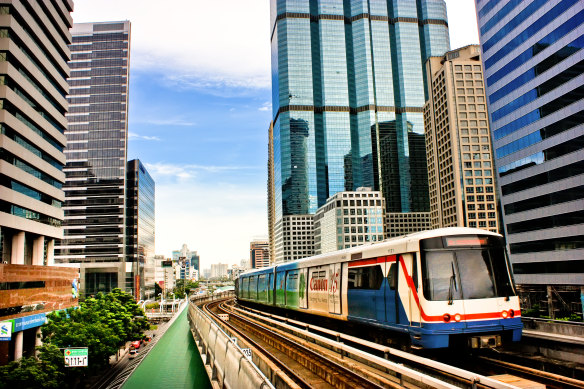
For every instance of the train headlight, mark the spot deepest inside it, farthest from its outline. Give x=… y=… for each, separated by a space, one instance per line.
x=457 y=317
x=512 y=313
x=446 y=318
x=505 y=314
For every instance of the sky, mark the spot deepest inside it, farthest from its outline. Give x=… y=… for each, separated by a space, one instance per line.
x=200 y=108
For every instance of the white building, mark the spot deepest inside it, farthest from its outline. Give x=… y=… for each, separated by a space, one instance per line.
x=219 y=270
x=349 y=219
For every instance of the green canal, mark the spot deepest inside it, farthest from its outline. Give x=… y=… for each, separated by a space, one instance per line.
x=174 y=362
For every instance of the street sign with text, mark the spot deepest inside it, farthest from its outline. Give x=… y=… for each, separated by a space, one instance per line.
x=76 y=357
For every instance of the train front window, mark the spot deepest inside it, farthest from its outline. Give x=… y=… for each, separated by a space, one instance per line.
x=465 y=273
x=440 y=276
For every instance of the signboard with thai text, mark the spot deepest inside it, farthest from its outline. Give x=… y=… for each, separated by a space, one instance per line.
x=76 y=357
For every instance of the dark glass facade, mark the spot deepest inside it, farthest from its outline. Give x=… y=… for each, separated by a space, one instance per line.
x=140 y=195
x=95 y=202
x=535 y=91
x=340 y=68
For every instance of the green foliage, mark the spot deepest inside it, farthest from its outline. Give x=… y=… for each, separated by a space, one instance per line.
x=103 y=324
x=30 y=372
x=152 y=306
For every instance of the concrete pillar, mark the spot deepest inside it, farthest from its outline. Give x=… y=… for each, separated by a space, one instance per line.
x=38 y=341
x=51 y=252
x=38 y=251
x=18 y=344
x=550 y=298
x=17 y=249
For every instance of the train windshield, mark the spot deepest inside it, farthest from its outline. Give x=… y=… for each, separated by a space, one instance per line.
x=472 y=271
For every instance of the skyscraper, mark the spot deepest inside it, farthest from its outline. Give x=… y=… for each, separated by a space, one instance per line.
x=340 y=68
x=533 y=63
x=33 y=85
x=140 y=227
x=259 y=253
x=96 y=157
x=458 y=145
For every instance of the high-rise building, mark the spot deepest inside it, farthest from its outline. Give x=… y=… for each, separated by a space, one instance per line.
x=458 y=143
x=96 y=151
x=33 y=89
x=271 y=194
x=219 y=270
x=349 y=219
x=188 y=261
x=140 y=195
x=259 y=253
x=533 y=65
x=339 y=69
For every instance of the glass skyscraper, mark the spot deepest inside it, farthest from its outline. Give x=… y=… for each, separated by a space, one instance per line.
x=140 y=195
x=96 y=150
x=533 y=65
x=339 y=69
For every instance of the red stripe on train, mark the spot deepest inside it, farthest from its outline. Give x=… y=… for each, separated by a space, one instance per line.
x=372 y=261
x=470 y=316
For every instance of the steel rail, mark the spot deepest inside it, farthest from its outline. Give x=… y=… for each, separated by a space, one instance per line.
x=336 y=374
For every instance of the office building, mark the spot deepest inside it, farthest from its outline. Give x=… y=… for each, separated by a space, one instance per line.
x=404 y=223
x=259 y=253
x=293 y=238
x=95 y=204
x=458 y=143
x=188 y=261
x=158 y=269
x=533 y=66
x=271 y=194
x=349 y=219
x=140 y=195
x=339 y=70
x=219 y=270
x=33 y=88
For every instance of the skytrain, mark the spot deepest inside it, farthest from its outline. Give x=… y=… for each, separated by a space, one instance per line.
x=439 y=288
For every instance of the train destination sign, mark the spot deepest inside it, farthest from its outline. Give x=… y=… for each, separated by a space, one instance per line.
x=76 y=357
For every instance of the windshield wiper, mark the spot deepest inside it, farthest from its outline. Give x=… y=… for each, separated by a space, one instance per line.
x=452 y=286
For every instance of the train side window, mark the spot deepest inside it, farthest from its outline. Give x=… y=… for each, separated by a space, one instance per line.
x=415 y=271
x=369 y=277
x=393 y=276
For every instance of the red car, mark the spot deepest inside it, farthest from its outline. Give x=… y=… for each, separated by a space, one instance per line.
x=135 y=344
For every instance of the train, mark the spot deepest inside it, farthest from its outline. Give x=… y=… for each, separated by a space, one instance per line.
x=437 y=289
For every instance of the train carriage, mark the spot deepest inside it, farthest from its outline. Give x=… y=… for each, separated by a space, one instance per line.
x=439 y=287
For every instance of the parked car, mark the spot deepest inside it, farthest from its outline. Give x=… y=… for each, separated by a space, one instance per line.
x=135 y=344
x=133 y=353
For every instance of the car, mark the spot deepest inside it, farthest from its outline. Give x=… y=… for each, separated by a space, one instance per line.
x=133 y=353
x=135 y=344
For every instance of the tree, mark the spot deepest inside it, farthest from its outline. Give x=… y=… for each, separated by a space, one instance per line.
x=102 y=323
x=29 y=372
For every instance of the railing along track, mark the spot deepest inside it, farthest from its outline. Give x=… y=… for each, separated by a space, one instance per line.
x=330 y=372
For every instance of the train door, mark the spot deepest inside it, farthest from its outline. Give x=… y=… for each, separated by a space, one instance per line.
x=271 y=297
x=334 y=288
x=411 y=305
x=381 y=294
x=302 y=288
x=391 y=279
x=407 y=309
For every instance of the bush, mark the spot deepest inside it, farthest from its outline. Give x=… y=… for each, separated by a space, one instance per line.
x=152 y=306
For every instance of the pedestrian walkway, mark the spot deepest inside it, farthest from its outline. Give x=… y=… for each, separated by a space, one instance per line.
x=174 y=362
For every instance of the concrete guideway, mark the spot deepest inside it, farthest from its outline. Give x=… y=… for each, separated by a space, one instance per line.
x=171 y=360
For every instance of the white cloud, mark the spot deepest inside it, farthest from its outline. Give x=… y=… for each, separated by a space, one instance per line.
x=462 y=23
x=201 y=43
x=165 y=122
x=216 y=219
x=133 y=135
x=267 y=106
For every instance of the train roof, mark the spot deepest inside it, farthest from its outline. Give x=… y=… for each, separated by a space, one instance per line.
x=398 y=240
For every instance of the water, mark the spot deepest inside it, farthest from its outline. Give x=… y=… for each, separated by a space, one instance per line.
x=174 y=362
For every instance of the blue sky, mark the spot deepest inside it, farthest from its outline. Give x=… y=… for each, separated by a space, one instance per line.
x=200 y=110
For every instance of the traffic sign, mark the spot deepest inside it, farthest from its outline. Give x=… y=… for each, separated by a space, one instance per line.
x=76 y=357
